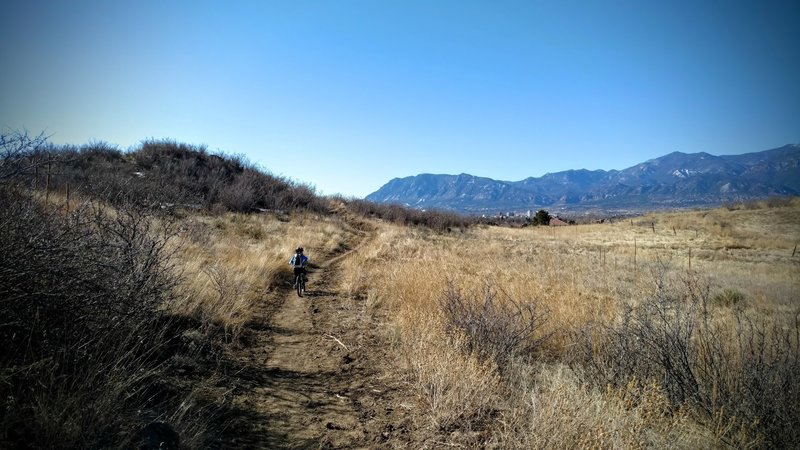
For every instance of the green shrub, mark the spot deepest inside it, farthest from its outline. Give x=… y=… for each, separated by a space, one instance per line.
x=542 y=217
x=728 y=297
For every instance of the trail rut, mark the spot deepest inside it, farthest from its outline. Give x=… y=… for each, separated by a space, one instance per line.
x=312 y=373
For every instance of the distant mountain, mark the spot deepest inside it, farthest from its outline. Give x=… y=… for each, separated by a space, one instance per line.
x=458 y=192
x=674 y=180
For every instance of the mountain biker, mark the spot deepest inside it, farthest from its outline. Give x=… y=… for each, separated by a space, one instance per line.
x=298 y=262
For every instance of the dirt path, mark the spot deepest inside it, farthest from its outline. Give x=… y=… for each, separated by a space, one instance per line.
x=312 y=374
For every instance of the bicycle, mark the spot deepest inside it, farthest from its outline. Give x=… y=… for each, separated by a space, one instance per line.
x=300 y=284
x=298 y=262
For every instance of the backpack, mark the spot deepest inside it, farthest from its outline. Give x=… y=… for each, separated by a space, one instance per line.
x=298 y=260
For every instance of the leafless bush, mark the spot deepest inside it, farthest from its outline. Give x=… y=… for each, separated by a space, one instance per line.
x=732 y=366
x=774 y=201
x=764 y=387
x=80 y=265
x=494 y=330
x=18 y=153
x=239 y=195
x=162 y=174
x=653 y=340
x=436 y=220
x=779 y=202
x=84 y=337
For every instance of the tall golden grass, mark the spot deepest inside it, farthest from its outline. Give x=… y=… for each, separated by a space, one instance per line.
x=581 y=275
x=220 y=270
x=231 y=264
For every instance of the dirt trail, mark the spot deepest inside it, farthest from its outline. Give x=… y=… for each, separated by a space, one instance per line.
x=304 y=389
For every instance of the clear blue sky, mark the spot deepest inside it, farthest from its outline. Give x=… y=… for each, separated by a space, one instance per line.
x=346 y=95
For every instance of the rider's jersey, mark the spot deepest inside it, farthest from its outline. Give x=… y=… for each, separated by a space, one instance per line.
x=298 y=262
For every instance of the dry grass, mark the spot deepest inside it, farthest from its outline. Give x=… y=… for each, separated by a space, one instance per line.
x=86 y=342
x=580 y=275
x=100 y=271
x=552 y=407
x=233 y=262
x=104 y=345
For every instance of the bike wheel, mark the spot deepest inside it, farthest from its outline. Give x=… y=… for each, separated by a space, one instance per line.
x=300 y=287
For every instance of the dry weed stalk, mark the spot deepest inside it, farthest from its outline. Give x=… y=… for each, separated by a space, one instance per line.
x=584 y=275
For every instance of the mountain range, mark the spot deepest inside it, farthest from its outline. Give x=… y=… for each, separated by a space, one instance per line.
x=671 y=181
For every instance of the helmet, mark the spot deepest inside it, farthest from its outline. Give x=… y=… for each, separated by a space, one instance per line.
x=299 y=250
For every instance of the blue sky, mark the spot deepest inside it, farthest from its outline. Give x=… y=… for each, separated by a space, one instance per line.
x=346 y=95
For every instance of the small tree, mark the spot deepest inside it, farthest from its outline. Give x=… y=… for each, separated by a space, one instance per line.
x=542 y=217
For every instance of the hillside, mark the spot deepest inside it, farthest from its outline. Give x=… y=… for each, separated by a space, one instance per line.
x=171 y=175
x=140 y=293
x=674 y=180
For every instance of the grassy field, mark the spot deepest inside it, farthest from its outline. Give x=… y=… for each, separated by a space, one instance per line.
x=231 y=263
x=668 y=330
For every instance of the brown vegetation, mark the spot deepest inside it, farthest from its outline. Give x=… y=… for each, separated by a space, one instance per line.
x=671 y=330
x=400 y=215
x=128 y=279
x=159 y=173
x=124 y=282
x=84 y=337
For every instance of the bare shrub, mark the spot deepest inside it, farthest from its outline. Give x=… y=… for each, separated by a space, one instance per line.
x=161 y=173
x=774 y=201
x=89 y=266
x=18 y=153
x=495 y=330
x=737 y=370
x=763 y=388
x=653 y=340
x=238 y=195
x=401 y=215
x=84 y=335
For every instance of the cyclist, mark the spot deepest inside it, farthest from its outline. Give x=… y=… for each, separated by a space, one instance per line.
x=298 y=262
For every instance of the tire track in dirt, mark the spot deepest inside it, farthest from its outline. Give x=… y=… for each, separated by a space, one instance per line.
x=312 y=373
